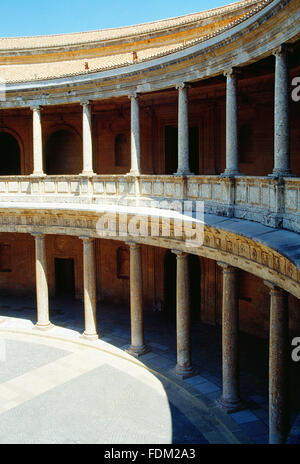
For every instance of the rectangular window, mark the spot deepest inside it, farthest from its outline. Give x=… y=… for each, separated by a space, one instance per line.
x=5 y=258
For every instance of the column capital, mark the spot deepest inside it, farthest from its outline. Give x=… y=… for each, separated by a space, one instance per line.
x=274 y=288
x=180 y=254
x=133 y=244
x=85 y=102
x=226 y=267
x=36 y=108
x=232 y=72
x=86 y=238
x=182 y=85
x=38 y=235
x=281 y=50
x=134 y=96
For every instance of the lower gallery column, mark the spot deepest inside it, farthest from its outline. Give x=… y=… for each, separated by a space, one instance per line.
x=230 y=399
x=184 y=367
x=137 y=347
x=42 y=297
x=90 y=292
x=278 y=365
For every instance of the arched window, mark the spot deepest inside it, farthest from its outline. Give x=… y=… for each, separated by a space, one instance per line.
x=9 y=155
x=122 y=152
x=123 y=263
x=63 y=153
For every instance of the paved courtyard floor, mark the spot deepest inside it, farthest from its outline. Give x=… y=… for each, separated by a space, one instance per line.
x=56 y=387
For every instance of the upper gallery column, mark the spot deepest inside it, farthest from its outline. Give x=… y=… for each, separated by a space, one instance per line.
x=232 y=166
x=278 y=365
x=183 y=131
x=87 y=139
x=135 y=136
x=37 y=142
x=281 y=114
x=42 y=296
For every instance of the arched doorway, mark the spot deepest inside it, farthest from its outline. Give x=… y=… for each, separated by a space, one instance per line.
x=63 y=153
x=10 y=164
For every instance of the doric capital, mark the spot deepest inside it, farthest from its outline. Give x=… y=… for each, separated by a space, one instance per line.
x=133 y=245
x=226 y=267
x=85 y=102
x=232 y=72
x=274 y=288
x=182 y=85
x=86 y=238
x=180 y=254
x=36 y=108
x=281 y=50
x=38 y=235
x=133 y=96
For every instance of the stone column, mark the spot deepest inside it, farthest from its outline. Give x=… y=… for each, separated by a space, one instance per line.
x=183 y=131
x=137 y=347
x=232 y=160
x=42 y=297
x=135 y=136
x=184 y=366
x=281 y=115
x=278 y=365
x=90 y=288
x=230 y=400
x=87 y=139
x=37 y=142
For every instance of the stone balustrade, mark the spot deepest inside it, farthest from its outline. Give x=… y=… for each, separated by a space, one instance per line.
x=267 y=200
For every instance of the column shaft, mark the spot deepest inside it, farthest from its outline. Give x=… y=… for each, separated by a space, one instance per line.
x=135 y=136
x=232 y=163
x=184 y=366
x=137 y=347
x=90 y=289
x=37 y=142
x=230 y=399
x=278 y=366
x=41 y=283
x=87 y=140
x=281 y=115
x=183 y=131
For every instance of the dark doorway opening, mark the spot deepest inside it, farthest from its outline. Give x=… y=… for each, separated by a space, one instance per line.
x=171 y=150
x=63 y=153
x=10 y=163
x=170 y=285
x=64 y=277
x=195 y=286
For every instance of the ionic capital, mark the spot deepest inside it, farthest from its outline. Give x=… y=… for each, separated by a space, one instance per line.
x=86 y=238
x=226 y=267
x=133 y=245
x=85 y=103
x=38 y=235
x=36 y=108
x=281 y=50
x=275 y=290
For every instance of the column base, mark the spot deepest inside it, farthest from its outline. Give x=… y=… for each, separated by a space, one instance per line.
x=87 y=173
x=40 y=326
x=230 y=406
x=90 y=336
x=281 y=173
x=183 y=173
x=38 y=174
x=185 y=372
x=276 y=438
x=138 y=351
x=231 y=173
x=134 y=173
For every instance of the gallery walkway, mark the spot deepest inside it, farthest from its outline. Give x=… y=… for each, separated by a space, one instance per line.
x=59 y=388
